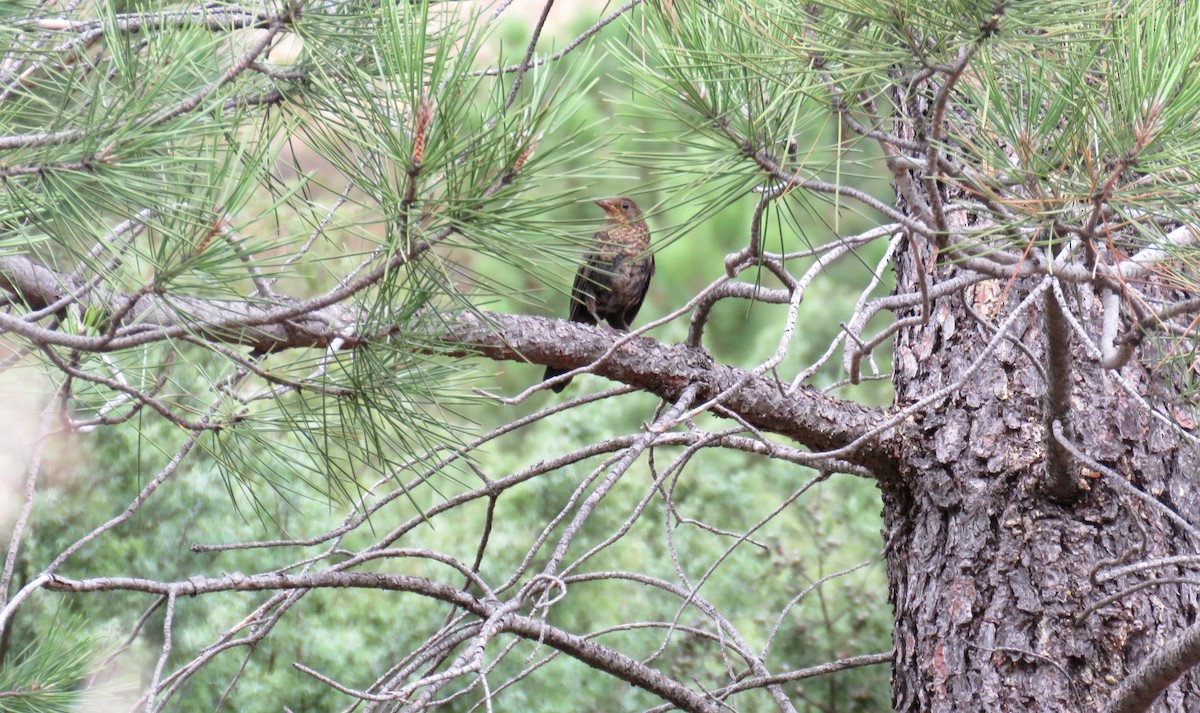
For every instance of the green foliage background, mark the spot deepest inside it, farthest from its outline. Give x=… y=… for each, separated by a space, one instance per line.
x=625 y=147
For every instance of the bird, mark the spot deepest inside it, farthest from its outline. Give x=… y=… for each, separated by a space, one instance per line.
x=612 y=282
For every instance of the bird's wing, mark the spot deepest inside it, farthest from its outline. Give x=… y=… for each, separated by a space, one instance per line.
x=594 y=276
x=632 y=310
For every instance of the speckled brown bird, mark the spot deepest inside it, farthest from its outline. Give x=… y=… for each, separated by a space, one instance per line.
x=613 y=280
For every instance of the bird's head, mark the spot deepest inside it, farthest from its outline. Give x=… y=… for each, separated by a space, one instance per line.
x=620 y=209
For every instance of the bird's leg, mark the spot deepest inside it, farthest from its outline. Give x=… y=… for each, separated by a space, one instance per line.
x=590 y=305
x=618 y=324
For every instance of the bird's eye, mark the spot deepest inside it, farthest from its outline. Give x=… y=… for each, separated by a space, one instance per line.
x=624 y=206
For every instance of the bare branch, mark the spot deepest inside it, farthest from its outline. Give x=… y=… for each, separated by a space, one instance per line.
x=589 y=652
x=33 y=471
x=1120 y=482
x=1063 y=481
x=63 y=136
x=572 y=45
x=1160 y=669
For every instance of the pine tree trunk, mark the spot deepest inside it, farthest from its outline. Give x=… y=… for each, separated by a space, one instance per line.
x=988 y=573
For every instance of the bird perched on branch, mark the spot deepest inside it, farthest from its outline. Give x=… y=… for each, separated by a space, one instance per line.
x=613 y=280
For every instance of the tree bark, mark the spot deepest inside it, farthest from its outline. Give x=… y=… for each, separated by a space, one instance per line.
x=988 y=572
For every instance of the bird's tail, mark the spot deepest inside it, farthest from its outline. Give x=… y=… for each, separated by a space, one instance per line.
x=552 y=372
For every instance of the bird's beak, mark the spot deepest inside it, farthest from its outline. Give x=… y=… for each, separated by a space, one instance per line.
x=605 y=203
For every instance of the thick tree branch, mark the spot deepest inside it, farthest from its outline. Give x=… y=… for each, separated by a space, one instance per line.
x=818 y=421
x=813 y=419
x=1062 y=478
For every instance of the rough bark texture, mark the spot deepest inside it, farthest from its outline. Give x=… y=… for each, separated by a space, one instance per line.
x=807 y=416
x=988 y=573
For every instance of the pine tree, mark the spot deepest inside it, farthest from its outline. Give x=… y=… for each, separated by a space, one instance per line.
x=280 y=242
